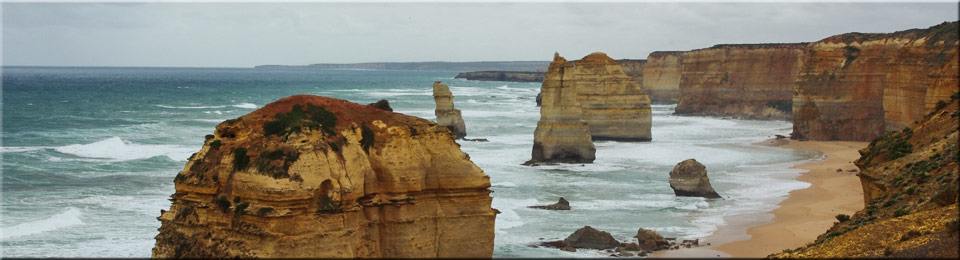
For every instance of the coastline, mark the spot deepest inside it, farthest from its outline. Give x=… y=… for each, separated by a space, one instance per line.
x=798 y=219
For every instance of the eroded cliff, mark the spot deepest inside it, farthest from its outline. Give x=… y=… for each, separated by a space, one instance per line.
x=855 y=86
x=740 y=80
x=310 y=176
x=910 y=182
x=661 y=76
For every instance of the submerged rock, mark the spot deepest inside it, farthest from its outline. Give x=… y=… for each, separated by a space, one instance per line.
x=689 y=178
x=315 y=177
x=447 y=115
x=563 y=204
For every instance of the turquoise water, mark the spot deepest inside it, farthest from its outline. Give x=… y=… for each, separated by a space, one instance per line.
x=89 y=155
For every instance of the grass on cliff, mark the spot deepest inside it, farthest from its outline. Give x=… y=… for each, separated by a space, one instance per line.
x=299 y=118
x=276 y=163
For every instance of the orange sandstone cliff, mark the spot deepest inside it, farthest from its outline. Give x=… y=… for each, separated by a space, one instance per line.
x=561 y=135
x=661 y=76
x=855 y=86
x=310 y=176
x=910 y=184
x=740 y=80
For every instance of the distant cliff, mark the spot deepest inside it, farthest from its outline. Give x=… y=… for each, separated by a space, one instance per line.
x=661 y=76
x=513 y=76
x=633 y=68
x=428 y=66
x=317 y=177
x=855 y=86
x=910 y=182
x=740 y=80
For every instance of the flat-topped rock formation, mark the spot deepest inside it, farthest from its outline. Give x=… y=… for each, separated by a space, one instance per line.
x=561 y=135
x=512 y=76
x=910 y=188
x=855 y=86
x=634 y=69
x=316 y=177
x=661 y=76
x=740 y=80
x=447 y=115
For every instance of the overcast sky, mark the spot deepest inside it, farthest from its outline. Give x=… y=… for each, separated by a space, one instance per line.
x=244 y=35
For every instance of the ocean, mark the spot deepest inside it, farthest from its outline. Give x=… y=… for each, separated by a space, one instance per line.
x=89 y=155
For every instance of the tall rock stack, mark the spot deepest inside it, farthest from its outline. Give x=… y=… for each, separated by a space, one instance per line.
x=447 y=115
x=612 y=103
x=855 y=86
x=316 y=177
x=661 y=76
x=561 y=134
x=740 y=80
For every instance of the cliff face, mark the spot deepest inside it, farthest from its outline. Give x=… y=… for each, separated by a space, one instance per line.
x=661 y=76
x=512 y=76
x=309 y=176
x=910 y=182
x=633 y=68
x=561 y=135
x=740 y=80
x=854 y=86
x=447 y=115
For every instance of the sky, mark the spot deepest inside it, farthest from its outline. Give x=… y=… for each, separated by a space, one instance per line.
x=249 y=34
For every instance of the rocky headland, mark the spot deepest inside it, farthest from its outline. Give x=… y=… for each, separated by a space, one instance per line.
x=309 y=176
x=447 y=115
x=512 y=76
x=910 y=184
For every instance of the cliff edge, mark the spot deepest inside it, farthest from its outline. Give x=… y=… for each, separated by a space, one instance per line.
x=310 y=176
x=910 y=184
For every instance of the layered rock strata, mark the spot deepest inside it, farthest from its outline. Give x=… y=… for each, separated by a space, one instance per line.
x=740 y=80
x=855 y=86
x=561 y=135
x=447 y=115
x=689 y=178
x=316 y=177
x=612 y=103
x=910 y=184
x=661 y=76
x=634 y=69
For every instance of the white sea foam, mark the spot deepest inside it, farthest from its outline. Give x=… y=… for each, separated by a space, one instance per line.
x=20 y=149
x=241 y=105
x=70 y=217
x=508 y=217
x=117 y=149
x=246 y=105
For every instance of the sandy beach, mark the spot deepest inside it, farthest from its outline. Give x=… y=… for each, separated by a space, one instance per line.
x=799 y=219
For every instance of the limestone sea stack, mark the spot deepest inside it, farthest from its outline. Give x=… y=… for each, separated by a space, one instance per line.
x=447 y=115
x=689 y=179
x=315 y=177
x=612 y=103
x=561 y=135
